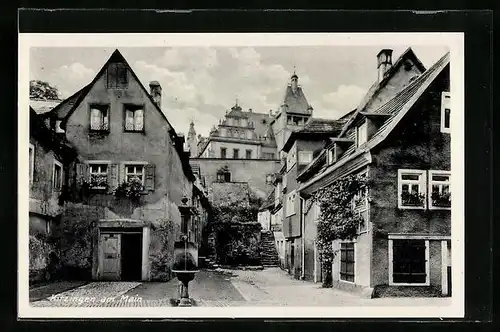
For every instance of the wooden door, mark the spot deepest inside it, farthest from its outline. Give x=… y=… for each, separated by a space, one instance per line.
x=111 y=256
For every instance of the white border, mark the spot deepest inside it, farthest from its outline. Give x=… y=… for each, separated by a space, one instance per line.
x=32 y=164
x=455 y=42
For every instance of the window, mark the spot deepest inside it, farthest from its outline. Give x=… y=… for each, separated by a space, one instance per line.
x=237 y=122
x=223 y=132
x=236 y=153
x=305 y=157
x=290 y=204
x=58 y=127
x=31 y=161
x=411 y=192
x=249 y=134
x=439 y=190
x=117 y=76
x=223 y=153
x=57 y=176
x=361 y=134
x=331 y=155
x=445 y=112
x=248 y=154
x=98 y=176
x=408 y=262
x=289 y=120
x=268 y=155
x=347 y=261
x=134 y=118
x=316 y=211
x=224 y=176
x=133 y=172
x=99 y=118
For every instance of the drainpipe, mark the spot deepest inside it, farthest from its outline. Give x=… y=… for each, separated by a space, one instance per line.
x=302 y=222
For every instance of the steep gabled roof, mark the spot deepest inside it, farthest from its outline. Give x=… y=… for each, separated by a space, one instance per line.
x=408 y=54
x=115 y=57
x=62 y=109
x=397 y=107
x=295 y=101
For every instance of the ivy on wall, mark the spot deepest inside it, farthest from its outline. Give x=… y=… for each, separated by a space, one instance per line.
x=337 y=219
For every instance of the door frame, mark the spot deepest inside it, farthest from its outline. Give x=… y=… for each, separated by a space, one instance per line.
x=120 y=226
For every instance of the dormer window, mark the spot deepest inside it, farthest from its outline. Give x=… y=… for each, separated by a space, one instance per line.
x=332 y=155
x=445 y=112
x=361 y=134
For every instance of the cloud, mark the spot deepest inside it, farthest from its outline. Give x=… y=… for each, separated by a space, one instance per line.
x=70 y=78
x=202 y=83
x=337 y=103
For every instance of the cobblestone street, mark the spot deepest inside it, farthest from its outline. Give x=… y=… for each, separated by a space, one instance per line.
x=222 y=288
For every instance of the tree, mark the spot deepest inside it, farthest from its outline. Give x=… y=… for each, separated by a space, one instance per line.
x=43 y=90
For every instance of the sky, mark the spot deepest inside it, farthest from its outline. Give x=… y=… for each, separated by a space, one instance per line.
x=201 y=83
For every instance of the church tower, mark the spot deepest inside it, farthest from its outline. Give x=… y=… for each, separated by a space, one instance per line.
x=293 y=114
x=192 y=141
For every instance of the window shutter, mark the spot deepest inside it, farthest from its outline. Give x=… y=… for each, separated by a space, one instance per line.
x=113 y=176
x=82 y=172
x=121 y=177
x=149 y=182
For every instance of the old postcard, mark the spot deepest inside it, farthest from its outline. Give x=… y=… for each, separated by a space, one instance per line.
x=195 y=175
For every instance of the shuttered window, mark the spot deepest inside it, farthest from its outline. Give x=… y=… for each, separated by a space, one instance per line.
x=117 y=76
x=347 y=261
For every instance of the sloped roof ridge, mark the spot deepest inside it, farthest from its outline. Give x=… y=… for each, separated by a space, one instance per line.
x=376 y=86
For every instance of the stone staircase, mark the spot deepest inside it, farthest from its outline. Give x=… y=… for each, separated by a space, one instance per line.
x=268 y=252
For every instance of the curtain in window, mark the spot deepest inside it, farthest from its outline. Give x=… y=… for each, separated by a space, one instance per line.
x=129 y=120
x=138 y=119
x=95 y=119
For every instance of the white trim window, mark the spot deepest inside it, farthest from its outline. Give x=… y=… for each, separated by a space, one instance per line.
x=331 y=155
x=439 y=190
x=411 y=189
x=347 y=261
x=305 y=157
x=135 y=171
x=290 y=203
x=32 y=162
x=409 y=262
x=361 y=134
x=445 y=112
x=57 y=176
x=98 y=175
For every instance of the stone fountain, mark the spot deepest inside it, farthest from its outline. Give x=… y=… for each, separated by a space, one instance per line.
x=185 y=255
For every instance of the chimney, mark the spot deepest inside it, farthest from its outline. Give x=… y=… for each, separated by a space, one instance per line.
x=384 y=62
x=155 y=91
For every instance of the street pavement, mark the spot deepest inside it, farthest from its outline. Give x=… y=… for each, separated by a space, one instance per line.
x=220 y=288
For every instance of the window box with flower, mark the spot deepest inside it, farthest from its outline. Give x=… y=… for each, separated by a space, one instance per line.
x=413 y=199
x=133 y=188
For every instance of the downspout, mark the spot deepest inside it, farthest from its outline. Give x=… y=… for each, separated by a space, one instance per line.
x=302 y=222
